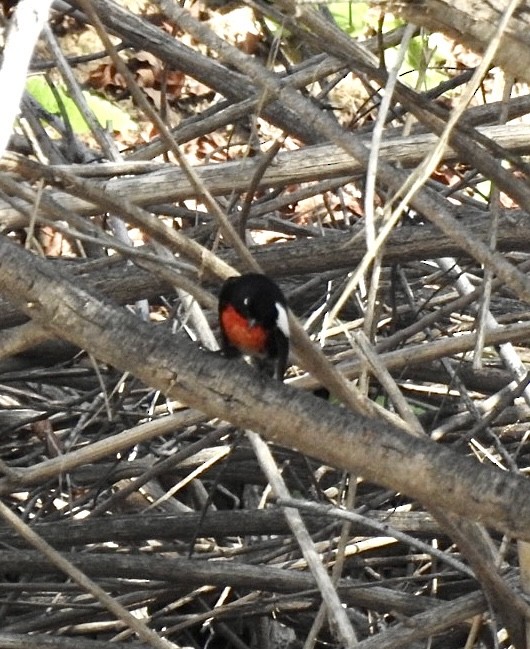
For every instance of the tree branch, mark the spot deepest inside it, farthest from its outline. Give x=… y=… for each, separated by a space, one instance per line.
x=380 y=452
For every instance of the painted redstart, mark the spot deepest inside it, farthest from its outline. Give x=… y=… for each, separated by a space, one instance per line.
x=254 y=322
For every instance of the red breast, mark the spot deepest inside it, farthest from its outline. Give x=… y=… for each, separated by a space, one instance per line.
x=248 y=339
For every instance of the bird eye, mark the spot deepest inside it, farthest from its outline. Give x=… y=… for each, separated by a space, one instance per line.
x=246 y=301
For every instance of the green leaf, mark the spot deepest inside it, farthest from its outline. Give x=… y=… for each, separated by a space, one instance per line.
x=421 y=56
x=105 y=111
x=351 y=17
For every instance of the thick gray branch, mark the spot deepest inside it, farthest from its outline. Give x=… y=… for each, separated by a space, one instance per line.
x=432 y=474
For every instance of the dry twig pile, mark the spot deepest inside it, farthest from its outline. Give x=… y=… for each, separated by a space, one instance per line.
x=393 y=514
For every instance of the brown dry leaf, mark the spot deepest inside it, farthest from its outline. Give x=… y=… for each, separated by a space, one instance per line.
x=211 y=147
x=146 y=77
x=53 y=243
x=250 y=43
x=105 y=77
x=154 y=96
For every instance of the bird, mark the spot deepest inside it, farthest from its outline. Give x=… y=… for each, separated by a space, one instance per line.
x=253 y=318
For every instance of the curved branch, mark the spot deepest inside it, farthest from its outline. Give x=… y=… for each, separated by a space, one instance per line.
x=380 y=452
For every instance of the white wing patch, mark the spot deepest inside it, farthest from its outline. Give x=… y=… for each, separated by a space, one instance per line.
x=283 y=320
